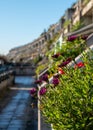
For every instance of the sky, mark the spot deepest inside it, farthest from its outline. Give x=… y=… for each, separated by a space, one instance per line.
x=22 y=21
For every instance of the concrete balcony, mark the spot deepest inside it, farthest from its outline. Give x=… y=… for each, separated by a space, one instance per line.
x=83 y=31
x=65 y=31
x=76 y=19
x=76 y=14
x=87 y=8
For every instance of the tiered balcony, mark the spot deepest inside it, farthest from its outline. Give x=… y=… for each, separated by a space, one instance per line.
x=76 y=19
x=65 y=31
x=87 y=8
x=76 y=16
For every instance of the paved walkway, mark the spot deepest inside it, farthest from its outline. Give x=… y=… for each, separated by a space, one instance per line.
x=18 y=114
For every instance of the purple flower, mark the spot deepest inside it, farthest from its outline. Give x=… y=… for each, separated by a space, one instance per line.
x=71 y=38
x=64 y=63
x=38 y=81
x=55 y=81
x=84 y=37
x=33 y=91
x=69 y=59
x=42 y=91
x=45 y=77
x=56 y=55
x=56 y=76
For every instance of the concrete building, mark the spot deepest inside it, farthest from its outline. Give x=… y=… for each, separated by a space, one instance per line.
x=35 y=48
x=80 y=12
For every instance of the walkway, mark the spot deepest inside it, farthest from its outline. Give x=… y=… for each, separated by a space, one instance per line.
x=18 y=114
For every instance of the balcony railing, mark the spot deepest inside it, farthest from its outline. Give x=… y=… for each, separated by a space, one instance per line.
x=84 y=2
x=76 y=19
x=76 y=14
x=87 y=7
x=85 y=30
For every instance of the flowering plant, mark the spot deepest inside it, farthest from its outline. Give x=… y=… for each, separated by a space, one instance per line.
x=55 y=81
x=56 y=55
x=33 y=92
x=79 y=65
x=69 y=105
x=38 y=81
x=64 y=63
x=45 y=77
x=72 y=38
x=42 y=91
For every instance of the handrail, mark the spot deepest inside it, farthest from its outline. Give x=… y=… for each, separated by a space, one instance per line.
x=85 y=30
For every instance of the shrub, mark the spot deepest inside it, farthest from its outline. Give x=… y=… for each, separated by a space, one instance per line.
x=69 y=105
x=77 y=26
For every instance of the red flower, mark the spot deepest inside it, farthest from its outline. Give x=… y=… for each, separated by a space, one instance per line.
x=79 y=65
x=60 y=71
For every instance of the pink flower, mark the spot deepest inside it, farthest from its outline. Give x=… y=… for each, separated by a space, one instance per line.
x=55 y=81
x=42 y=91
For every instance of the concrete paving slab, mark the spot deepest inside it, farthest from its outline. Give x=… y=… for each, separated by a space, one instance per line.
x=17 y=114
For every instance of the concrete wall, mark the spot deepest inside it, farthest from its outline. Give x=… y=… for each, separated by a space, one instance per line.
x=44 y=125
x=7 y=82
x=90 y=40
x=24 y=71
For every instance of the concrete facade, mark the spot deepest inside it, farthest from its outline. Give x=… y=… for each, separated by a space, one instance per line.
x=79 y=11
x=7 y=82
x=36 y=47
x=24 y=71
